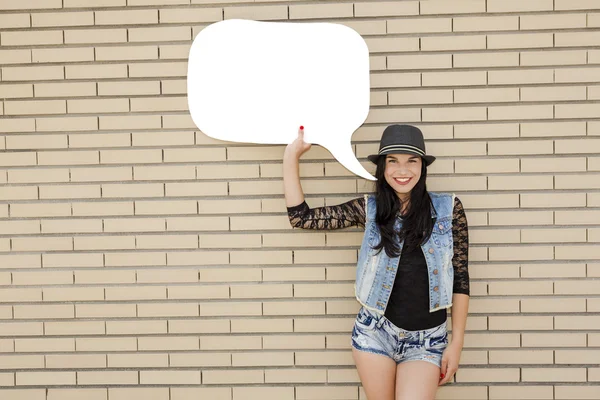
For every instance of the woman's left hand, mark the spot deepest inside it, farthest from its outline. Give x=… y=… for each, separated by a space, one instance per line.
x=450 y=359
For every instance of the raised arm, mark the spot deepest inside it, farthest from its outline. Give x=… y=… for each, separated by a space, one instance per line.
x=351 y=213
x=291 y=175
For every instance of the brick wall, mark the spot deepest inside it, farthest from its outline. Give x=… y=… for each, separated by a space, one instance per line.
x=140 y=258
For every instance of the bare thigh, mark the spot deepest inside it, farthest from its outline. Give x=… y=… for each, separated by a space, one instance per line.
x=377 y=374
x=417 y=380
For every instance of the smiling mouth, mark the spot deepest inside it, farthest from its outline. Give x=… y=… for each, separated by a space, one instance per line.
x=402 y=181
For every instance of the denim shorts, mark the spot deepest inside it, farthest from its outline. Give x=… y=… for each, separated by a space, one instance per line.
x=375 y=333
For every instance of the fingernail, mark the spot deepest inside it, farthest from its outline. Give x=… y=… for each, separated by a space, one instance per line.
x=442 y=376
x=301 y=127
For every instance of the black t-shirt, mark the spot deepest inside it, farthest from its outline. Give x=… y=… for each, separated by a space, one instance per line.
x=408 y=306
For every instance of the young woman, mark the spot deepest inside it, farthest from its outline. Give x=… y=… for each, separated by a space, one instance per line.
x=412 y=267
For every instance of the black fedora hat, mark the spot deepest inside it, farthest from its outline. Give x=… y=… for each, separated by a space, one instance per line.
x=405 y=139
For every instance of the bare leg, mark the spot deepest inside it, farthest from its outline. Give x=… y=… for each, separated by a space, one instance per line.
x=377 y=374
x=417 y=380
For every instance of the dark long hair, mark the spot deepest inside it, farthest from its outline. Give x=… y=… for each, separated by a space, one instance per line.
x=417 y=223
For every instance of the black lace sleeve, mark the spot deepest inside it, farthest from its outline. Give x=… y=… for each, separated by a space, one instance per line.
x=351 y=213
x=460 y=260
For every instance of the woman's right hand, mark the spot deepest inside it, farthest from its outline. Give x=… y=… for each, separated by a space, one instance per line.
x=298 y=146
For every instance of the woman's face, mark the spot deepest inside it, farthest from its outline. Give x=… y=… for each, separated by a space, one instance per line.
x=402 y=172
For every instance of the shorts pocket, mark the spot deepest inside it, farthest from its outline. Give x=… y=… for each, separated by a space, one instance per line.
x=438 y=342
x=365 y=319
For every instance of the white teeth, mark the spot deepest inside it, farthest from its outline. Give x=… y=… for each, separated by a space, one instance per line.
x=402 y=179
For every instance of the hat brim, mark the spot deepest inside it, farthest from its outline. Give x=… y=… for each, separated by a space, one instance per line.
x=427 y=158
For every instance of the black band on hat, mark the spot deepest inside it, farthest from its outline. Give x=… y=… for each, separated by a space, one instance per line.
x=402 y=139
x=401 y=147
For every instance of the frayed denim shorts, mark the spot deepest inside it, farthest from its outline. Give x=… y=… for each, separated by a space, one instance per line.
x=375 y=333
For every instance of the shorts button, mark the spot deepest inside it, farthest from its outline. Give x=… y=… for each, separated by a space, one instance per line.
x=435 y=289
x=435 y=271
x=431 y=250
x=441 y=226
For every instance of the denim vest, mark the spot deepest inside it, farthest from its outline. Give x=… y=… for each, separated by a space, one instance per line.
x=376 y=272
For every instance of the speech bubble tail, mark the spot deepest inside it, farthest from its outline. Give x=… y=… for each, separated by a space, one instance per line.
x=346 y=157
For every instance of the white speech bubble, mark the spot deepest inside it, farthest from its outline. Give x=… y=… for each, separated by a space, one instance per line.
x=257 y=82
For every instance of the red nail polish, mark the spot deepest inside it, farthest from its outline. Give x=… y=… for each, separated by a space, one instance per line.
x=301 y=127
x=442 y=375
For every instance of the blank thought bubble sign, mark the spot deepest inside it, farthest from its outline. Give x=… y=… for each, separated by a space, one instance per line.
x=257 y=82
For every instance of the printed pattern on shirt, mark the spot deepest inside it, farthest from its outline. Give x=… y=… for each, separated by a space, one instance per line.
x=460 y=260
x=350 y=213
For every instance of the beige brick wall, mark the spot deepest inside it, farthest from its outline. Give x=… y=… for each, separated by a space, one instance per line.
x=140 y=258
